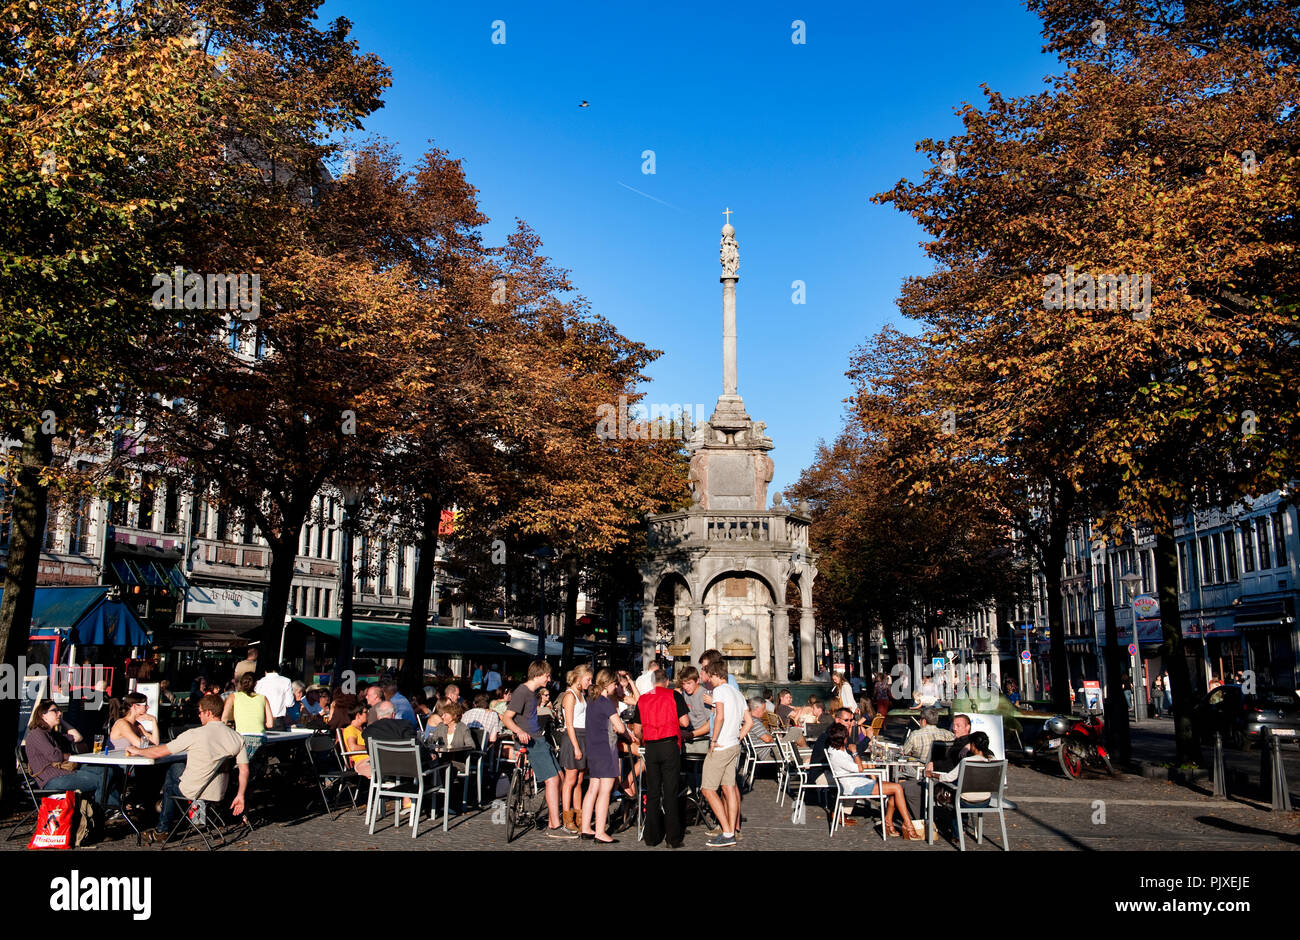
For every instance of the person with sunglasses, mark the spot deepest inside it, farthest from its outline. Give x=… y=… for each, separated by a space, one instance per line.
x=49 y=743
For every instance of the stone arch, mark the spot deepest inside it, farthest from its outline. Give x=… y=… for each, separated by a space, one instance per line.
x=672 y=601
x=741 y=603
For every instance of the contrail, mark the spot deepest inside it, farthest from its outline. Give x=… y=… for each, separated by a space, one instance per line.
x=648 y=196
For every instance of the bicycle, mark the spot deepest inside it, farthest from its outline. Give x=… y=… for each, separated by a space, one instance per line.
x=520 y=817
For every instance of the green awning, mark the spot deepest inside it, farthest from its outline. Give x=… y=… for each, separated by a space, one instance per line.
x=390 y=639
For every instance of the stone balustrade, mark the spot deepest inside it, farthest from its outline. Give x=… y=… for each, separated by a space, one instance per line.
x=776 y=527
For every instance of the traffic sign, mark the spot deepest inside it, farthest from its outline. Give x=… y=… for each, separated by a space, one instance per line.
x=1132 y=649
x=937 y=663
x=1026 y=656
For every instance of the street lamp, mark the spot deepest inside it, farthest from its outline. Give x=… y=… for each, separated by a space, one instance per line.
x=543 y=557
x=352 y=496
x=1132 y=580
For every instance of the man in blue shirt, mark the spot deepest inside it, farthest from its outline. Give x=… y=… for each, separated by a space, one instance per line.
x=402 y=707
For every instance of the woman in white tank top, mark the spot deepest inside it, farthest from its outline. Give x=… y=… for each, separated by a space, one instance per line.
x=573 y=743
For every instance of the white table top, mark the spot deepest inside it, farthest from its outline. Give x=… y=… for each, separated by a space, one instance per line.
x=119 y=758
x=299 y=735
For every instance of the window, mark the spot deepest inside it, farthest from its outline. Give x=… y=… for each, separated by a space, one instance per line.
x=1216 y=543
x=1247 y=546
x=172 y=509
x=1184 y=576
x=1230 y=552
x=1279 y=538
x=1207 y=561
x=1146 y=559
x=223 y=524
x=1261 y=543
x=315 y=609
x=383 y=566
x=79 y=542
x=328 y=611
x=401 y=572
x=233 y=339
x=146 y=497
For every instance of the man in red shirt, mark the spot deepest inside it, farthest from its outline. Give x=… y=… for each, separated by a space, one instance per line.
x=663 y=715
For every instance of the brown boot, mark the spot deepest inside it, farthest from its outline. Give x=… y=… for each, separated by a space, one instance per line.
x=571 y=820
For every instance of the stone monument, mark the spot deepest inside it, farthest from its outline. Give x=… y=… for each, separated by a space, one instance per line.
x=730 y=573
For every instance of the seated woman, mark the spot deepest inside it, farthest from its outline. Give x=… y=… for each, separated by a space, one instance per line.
x=251 y=713
x=842 y=762
x=980 y=751
x=49 y=743
x=449 y=733
x=354 y=740
x=130 y=724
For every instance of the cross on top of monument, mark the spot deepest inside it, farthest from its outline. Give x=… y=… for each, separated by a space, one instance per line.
x=727 y=213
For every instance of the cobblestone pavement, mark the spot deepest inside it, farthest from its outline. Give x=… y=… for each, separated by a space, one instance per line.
x=1093 y=813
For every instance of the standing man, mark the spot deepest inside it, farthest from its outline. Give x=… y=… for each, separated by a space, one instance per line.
x=492 y=681
x=206 y=748
x=521 y=718
x=731 y=720
x=279 y=693
x=248 y=665
x=476 y=680
x=696 y=734
x=663 y=715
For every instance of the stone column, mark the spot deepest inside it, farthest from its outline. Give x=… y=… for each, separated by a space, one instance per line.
x=781 y=644
x=763 y=649
x=729 y=371
x=807 y=639
x=698 y=631
x=649 y=626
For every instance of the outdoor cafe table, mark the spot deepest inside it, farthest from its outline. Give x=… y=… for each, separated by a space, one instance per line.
x=119 y=758
x=444 y=757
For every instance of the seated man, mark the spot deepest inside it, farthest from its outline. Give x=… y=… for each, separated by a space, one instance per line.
x=402 y=707
x=760 y=737
x=921 y=740
x=206 y=748
x=480 y=716
x=387 y=726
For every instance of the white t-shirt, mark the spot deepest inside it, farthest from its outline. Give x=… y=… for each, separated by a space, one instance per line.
x=733 y=715
x=841 y=761
x=846 y=697
x=278 y=690
x=645 y=683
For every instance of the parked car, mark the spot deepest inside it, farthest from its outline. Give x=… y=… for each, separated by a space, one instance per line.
x=1241 y=718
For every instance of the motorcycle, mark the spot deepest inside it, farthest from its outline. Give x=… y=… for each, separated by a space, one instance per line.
x=1072 y=743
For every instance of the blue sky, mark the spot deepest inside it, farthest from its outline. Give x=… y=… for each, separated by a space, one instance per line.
x=794 y=138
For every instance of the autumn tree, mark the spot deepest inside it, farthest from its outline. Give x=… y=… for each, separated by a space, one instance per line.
x=1113 y=274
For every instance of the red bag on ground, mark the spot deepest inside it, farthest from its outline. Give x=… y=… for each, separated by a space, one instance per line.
x=54 y=822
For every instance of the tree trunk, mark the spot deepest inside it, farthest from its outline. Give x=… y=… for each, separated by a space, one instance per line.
x=284 y=552
x=1053 y=562
x=570 y=617
x=28 y=526
x=412 y=676
x=1117 y=727
x=1187 y=748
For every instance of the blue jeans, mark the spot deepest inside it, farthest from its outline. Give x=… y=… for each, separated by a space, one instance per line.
x=1128 y=697
x=95 y=783
x=171 y=787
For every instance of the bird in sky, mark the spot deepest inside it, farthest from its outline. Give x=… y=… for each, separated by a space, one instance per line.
x=583 y=105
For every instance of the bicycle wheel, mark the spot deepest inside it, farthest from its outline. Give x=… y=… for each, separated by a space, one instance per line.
x=516 y=806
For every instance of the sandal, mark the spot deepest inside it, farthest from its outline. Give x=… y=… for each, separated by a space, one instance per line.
x=911 y=835
x=890 y=830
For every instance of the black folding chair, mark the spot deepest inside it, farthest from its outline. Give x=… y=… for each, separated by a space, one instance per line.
x=203 y=816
